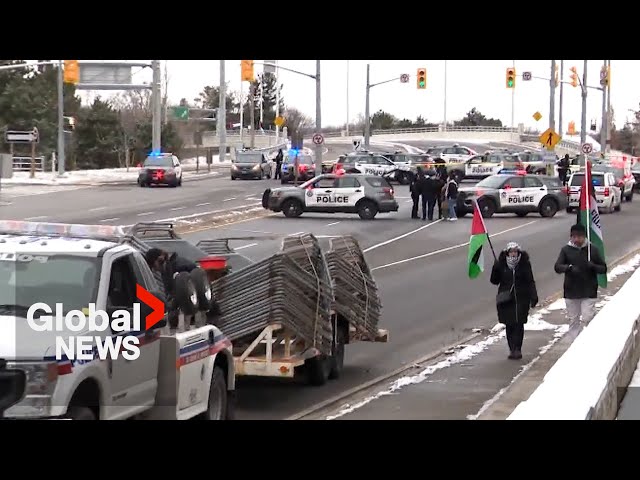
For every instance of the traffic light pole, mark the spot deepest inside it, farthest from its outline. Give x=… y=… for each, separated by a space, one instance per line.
x=156 y=112
x=367 y=120
x=222 y=115
x=61 y=156
x=552 y=97
x=603 y=128
x=561 y=97
x=583 y=120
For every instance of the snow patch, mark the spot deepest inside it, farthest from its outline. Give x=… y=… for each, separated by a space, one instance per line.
x=559 y=304
x=627 y=267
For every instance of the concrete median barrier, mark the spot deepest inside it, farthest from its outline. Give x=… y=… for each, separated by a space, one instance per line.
x=587 y=381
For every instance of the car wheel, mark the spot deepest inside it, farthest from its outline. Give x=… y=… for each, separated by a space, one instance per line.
x=367 y=210
x=548 y=208
x=265 y=198
x=217 y=405
x=292 y=208
x=337 y=357
x=487 y=207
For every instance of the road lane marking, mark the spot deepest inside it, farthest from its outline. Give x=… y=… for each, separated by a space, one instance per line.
x=203 y=204
x=448 y=249
x=404 y=235
x=144 y=214
x=229 y=199
x=245 y=246
x=409 y=201
x=294 y=234
x=174 y=209
x=97 y=209
x=110 y=219
x=200 y=214
x=40 y=217
x=332 y=224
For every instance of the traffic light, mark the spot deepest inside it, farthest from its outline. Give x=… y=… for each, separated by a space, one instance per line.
x=572 y=128
x=71 y=72
x=69 y=124
x=511 y=77
x=574 y=76
x=421 y=77
x=557 y=77
x=246 y=67
x=605 y=76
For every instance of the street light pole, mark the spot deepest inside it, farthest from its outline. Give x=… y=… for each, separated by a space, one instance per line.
x=347 y=127
x=367 y=120
x=277 y=102
x=222 y=114
x=318 y=120
x=156 y=112
x=445 y=97
x=61 y=157
x=561 y=97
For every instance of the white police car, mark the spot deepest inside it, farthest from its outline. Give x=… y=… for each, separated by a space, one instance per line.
x=608 y=193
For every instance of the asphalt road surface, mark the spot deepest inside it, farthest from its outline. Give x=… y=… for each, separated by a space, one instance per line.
x=420 y=267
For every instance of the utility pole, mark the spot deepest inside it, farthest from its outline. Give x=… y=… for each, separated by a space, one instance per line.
x=277 y=103
x=583 y=120
x=252 y=114
x=347 y=127
x=609 y=114
x=61 y=157
x=561 y=97
x=241 y=112
x=156 y=97
x=318 y=120
x=513 y=101
x=222 y=114
x=552 y=96
x=445 y=96
x=603 y=127
x=367 y=120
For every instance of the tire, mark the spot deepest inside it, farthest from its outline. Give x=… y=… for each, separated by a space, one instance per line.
x=292 y=208
x=180 y=181
x=487 y=207
x=173 y=184
x=232 y=177
x=522 y=214
x=318 y=370
x=617 y=208
x=367 y=210
x=265 y=198
x=217 y=408
x=337 y=358
x=80 y=413
x=186 y=294
x=548 y=208
x=203 y=288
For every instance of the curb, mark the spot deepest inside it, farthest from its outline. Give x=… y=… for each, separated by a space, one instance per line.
x=190 y=177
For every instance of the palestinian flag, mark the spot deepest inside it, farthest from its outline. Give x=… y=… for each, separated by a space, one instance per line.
x=479 y=237
x=590 y=218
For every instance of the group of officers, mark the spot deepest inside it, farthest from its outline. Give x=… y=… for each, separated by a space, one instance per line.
x=430 y=186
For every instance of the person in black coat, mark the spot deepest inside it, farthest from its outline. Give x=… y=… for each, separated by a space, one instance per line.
x=441 y=177
x=517 y=293
x=416 y=189
x=563 y=169
x=279 y=159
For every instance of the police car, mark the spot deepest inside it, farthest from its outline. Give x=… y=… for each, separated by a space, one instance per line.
x=366 y=195
x=374 y=164
x=477 y=167
x=457 y=153
x=608 y=193
x=518 y=193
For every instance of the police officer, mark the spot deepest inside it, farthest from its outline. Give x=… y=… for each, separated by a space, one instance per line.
x=430 y=193
x=441 y=177
x=279 y=158
x=416 y=189
x=563 y=168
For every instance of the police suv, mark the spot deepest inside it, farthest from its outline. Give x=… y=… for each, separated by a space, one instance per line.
x=518 y=193
x=366 y=195
x=608 y=193
x=374 y=164
x=477 y=167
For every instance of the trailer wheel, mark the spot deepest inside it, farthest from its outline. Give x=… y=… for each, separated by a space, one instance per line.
x=203 y=288
x=318 y=370
x=217 y=406
x=186 y=294
x=337 y=360
x=80 y=413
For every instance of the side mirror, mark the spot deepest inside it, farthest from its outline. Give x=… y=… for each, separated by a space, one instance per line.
x=146 y=310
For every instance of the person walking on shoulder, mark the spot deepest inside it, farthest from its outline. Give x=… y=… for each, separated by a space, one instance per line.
x=517 y=293
x=580 y=276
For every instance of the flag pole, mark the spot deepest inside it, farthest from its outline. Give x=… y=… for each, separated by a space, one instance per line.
x=587 y=200
x=485 y=229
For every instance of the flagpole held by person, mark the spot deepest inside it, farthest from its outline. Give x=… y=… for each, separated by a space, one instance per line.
x=479 y=236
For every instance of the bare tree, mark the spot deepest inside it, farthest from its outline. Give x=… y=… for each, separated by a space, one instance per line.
x=297 y=122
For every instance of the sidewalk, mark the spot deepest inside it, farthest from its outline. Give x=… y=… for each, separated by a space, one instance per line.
x=476 y=381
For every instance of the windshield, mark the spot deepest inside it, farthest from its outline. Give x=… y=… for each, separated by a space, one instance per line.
x=158 y=162
x=67 y=279
x=495 y=181
x=248 y=158
x=578 y=179
x=617 y=172
x=302 y=160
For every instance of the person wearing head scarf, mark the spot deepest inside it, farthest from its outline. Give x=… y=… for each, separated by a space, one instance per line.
x=517 y=293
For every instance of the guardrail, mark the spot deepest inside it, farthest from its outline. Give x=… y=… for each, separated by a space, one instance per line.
x=586 y=382
x=395 y=131
x=23 y=164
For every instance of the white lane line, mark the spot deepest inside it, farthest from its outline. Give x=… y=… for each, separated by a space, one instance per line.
x=252 y=198
x=246 y=246
x=97 y=209
x=109 y=219
x=40 y=217
x=174 y=209
x=448 y=249
x=395 y=239
x=203 y=204
x=402 y=198
x=144 y=214
x=229 y=199
x=294 y=234
x=332 y=224
x=200 y=214
x=408 y=201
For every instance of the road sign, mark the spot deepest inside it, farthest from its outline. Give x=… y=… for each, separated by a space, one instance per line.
x=404 y=78
x=526 y=76
x=28 y=136
x=586 y=148
x=537 y=116
x=549 y=138
x=318 y=139
x=181 y=113
x=279 y=121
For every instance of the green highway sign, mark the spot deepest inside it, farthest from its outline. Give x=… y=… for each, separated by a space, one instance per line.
x=181 y=113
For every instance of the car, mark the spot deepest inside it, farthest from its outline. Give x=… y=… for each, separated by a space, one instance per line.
x=537 y=162
x=608 y=193
x=477 y=167
x=250 y=164
x=518 y=193
x=374 y=164
x=364 y=194
x=625 y=179
x=160 y=169
x=635 y=171
x=456 y=153
x=306 y=168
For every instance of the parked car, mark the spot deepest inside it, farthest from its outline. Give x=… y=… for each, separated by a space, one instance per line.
x=250 y=164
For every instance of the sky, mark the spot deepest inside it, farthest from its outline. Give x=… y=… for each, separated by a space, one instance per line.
x=470 y=83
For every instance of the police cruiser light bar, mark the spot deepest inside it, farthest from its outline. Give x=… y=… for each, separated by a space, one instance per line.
x=69 y=230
